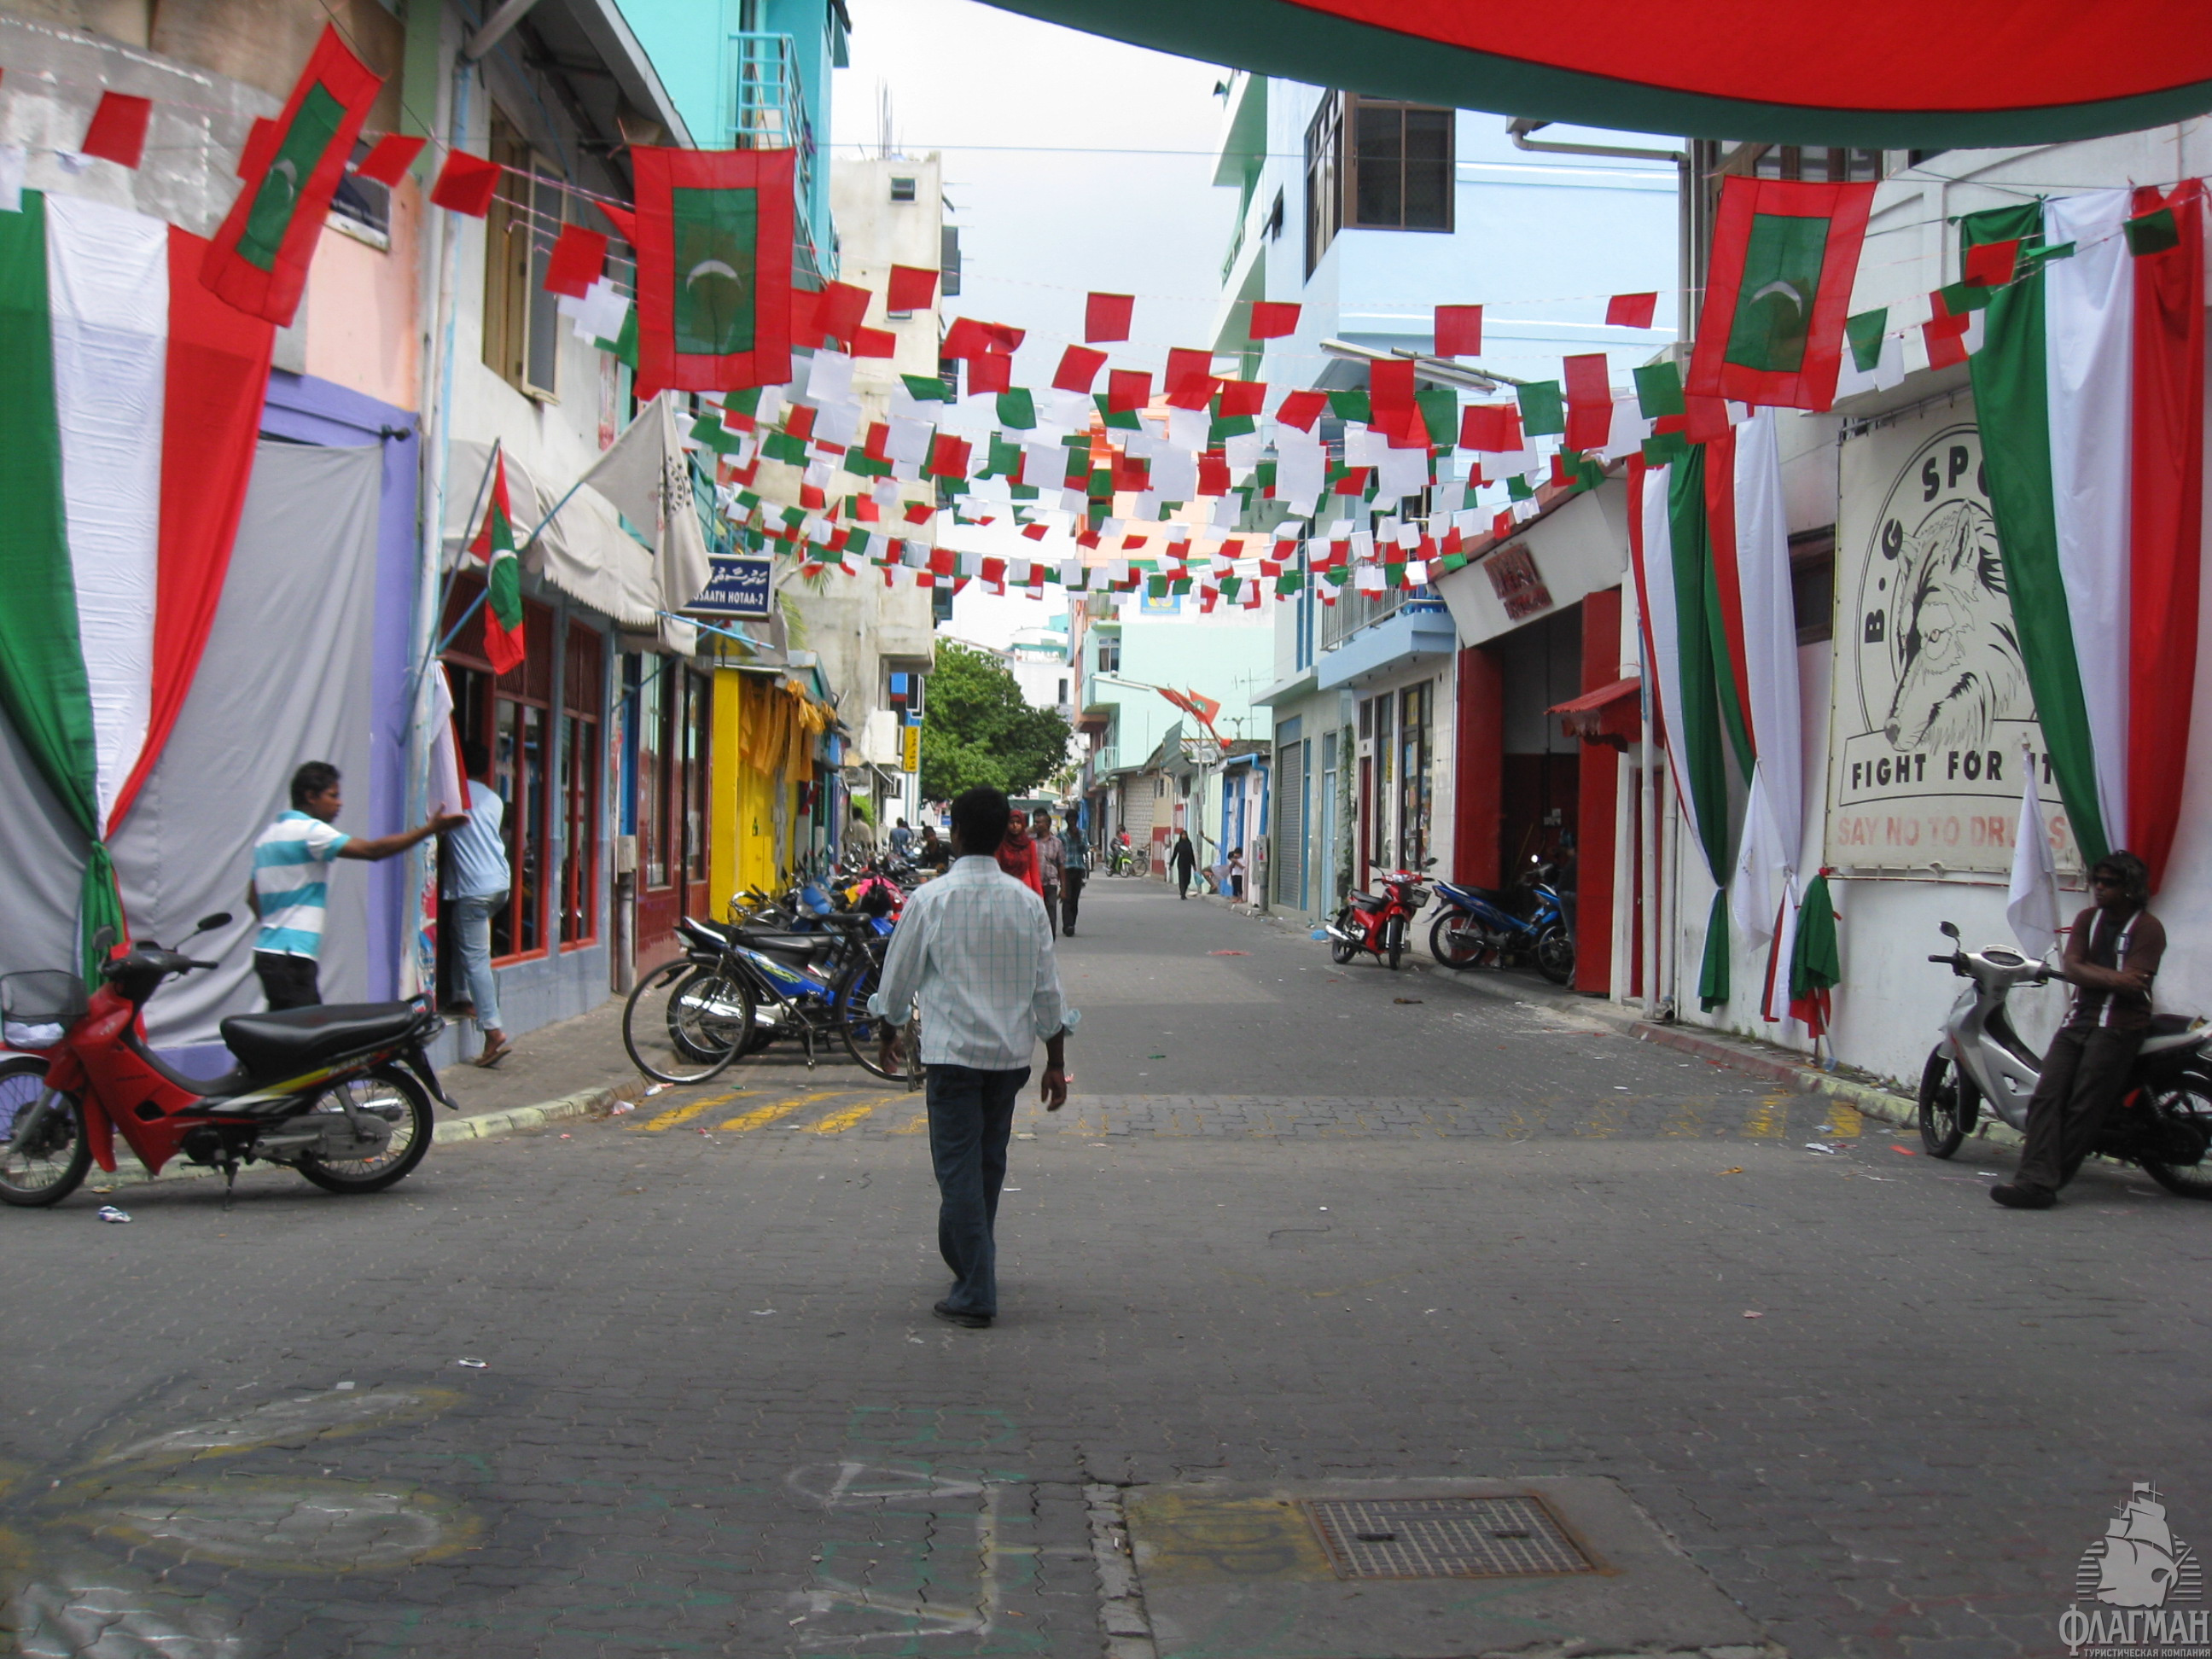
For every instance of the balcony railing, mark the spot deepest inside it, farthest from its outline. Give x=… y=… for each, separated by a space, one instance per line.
x=767 y=111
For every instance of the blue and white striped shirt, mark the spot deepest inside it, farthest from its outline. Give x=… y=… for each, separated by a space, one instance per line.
x=291 y=881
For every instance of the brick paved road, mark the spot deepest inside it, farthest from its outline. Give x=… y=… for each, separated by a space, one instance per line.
x=1290 y=1229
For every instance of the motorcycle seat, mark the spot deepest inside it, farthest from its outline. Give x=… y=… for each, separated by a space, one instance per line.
x=800 y=947
x=293 y=1039
x=2171 y=1025
x=1365 y=901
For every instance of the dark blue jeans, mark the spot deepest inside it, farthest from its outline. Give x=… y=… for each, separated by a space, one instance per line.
x=971 y=1116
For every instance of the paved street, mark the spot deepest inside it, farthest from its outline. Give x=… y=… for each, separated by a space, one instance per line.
x=1292 y=1228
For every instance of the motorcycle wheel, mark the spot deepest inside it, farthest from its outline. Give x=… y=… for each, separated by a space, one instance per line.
x=50 y=1172
x=1555 y=955
x=1393 y=940
x=683 y=1023
x=1946 y=1108
x=409 y=1145
x=1339 y=951
x=1455 y=940
x=2192 y=1103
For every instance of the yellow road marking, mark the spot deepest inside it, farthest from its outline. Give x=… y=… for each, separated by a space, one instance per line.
x=838 y=1122
x=670 y=1119
x=761 y=1115
x=1846 y=1119
x=918 y=1124
x=1768 y=1120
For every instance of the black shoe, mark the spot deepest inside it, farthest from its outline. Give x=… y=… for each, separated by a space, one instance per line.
x=950 y=1316
x=2016 y=1197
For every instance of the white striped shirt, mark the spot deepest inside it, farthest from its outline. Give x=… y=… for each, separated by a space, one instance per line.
x=975 y=946
x=291 y=883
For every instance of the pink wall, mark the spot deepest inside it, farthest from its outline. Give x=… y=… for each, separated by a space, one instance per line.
x=360 y=309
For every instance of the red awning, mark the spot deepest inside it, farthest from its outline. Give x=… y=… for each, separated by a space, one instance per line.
x=1612 y=714
x=2030 y=71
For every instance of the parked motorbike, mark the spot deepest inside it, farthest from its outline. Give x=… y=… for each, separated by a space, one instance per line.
x=342 y=1094
x=2163 y=1121
x=1378 y=924
x=1481 y=928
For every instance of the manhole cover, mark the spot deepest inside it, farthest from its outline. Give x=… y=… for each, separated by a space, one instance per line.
x=1445 y=1538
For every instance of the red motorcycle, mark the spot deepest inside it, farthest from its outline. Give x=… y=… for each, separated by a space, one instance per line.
x=342 y=1094
x=1378 y=926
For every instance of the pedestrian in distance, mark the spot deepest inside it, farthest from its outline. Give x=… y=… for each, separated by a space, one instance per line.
x=2111 y=956
x=477 y=881
x=1074 y=871
x=1017 y=854
x=1233 y=886
x=1183 y=859
x=290 y=889
x=976 y=951
x=1050 y=861
x=860 y=834
x=901 y=838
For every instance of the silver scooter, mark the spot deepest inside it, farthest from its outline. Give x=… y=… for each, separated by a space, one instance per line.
x=2163 y=1122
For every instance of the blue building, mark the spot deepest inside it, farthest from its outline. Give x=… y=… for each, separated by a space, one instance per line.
x=1368 y=213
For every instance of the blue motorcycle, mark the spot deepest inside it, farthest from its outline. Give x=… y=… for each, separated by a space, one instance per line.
x=1481 y=928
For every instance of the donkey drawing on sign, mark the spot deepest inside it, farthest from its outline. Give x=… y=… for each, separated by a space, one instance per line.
x=1959 y=667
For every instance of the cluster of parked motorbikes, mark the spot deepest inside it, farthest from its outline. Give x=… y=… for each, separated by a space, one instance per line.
x=1530 y=924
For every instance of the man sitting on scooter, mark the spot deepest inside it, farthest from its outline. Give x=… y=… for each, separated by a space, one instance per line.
x=2111 y=955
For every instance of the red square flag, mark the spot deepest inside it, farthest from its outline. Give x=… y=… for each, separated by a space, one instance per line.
x=1630 y=310
x=577 y=260
x=1992 y=264
x=913 y=287
x=842 y=306
x=1302 y=408
x=1243 y=398
x=387 y=161
x=1458 y=331
x=118 y=132
x=990 y=371
x=1272 y=320
x=1126 y=390
x=1106 y=316
x=1079 y=368
x=874 y=342
x=465 y=185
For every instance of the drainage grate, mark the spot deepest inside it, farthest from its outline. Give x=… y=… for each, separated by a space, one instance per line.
x=1445 y=1538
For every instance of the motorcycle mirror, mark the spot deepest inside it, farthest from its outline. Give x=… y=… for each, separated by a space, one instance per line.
x=1950 y=929
x=103 y=943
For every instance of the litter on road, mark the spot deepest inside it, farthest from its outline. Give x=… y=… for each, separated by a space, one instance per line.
x=473 y=1364
x=109 y=1212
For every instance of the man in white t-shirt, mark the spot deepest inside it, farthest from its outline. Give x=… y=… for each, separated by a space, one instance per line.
x=291 y=891
x=477 y=881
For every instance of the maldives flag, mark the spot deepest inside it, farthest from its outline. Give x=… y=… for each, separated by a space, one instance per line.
x=2089 y=389
x=132 y=397
x=714 y=268
x=259 y=257
x=1780 y=286
x=494 y=545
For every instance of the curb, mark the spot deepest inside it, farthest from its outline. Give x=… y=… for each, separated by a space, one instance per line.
x=1889 y=1107
x=486 y=1126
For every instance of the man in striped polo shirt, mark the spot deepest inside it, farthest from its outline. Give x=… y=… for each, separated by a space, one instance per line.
x=291 y=881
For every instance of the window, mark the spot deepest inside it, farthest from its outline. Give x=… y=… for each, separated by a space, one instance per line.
x=653 y=674
x=1813 y=583
x=1414 y=797
x=363 y=204
x=1324 y=178
x=1274 y=226
x=1110 y=656
x=1403 y=167
x=948 y=261
x=1063 y=692
x=902 y=190
x=1374 y=164
x=521 y=331
x=1818 y=165
x=579 y=893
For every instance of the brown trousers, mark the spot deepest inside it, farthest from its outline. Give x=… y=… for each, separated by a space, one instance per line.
x=2083 y=1076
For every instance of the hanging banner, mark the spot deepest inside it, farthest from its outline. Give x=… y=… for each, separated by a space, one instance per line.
x=1929 y=704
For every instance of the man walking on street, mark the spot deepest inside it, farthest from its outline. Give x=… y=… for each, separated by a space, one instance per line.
x=975 y=947
x=1049 y=858
x=290 y=889
x=2112 y=954
x=1075 y=868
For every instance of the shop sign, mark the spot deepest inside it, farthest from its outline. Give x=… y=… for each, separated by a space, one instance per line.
x=910 y=747
x=737 y=587
x=1931 y=724
x=1517 y=582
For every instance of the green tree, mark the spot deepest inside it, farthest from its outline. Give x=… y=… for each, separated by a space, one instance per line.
x=976 y=730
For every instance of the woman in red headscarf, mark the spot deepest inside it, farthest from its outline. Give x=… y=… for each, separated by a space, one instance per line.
x=1017 y=854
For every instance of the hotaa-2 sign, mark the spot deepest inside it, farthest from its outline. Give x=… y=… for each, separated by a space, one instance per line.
x=1931 y=721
